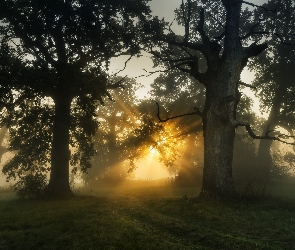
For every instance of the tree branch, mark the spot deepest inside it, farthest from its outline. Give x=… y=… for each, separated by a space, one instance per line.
x=266 y=136
x=258 y=6
x=282 y=40
x=247 y=85
x=254 y=49
x=200 y=28
x=253 y=32
x=196 y=112
x=194 y=46
x=125 y=65
x=186 y=18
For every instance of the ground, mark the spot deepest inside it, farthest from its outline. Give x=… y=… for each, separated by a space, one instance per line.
x=148 y=216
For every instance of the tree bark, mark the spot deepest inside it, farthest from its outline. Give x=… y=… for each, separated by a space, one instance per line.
x=59 y=183
x=219 y=134
x=222 y=97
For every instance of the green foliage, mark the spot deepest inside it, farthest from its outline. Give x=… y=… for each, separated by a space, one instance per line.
x=273 y=68
x=30 y=137
x=61 y=50
x=179 y=94
x=31 y=185
x=117 y=119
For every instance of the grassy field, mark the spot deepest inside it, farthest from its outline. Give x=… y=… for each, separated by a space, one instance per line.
x=148 y=216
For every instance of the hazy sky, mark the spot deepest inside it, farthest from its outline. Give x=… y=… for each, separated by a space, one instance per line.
x=137 y=67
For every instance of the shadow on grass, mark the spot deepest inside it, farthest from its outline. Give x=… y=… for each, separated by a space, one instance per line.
x=145 y=217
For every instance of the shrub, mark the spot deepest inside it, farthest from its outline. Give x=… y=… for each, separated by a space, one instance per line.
x=31 y=186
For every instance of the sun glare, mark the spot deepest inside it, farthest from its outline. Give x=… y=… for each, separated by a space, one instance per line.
x=152 y=151
x=151 y=169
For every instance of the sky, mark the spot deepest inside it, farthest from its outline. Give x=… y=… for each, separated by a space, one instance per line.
x=138 y=67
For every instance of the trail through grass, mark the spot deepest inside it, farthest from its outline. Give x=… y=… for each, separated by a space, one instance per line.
x=145 y=217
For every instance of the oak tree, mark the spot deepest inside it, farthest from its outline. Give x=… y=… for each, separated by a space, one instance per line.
x=217 y=38
x=62 y=49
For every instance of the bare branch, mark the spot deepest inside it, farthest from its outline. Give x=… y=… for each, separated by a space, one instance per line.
x=125 y=65
x=258 y=6
x=247 y=85
x=185 y=59
x=191 y=63
x=196 y=112
x=200 y=28
x=153 y=72
x=266 y=136
x=169 y=28
x=195 y=46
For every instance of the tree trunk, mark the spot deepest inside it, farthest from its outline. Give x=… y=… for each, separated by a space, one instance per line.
x=3 y=132
x=264 y=158
x=59 y=183
x=219 y=113
x=219 y=135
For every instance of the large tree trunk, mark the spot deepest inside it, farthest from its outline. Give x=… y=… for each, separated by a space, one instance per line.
x=59 y=183
x=222 y=97
x=219 y=133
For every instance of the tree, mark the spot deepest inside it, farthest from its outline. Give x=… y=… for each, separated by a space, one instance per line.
x=275 y=76
x=117 y=120
x=62 y=49
x=226 y=55
x=179 y=95
x=3 y=132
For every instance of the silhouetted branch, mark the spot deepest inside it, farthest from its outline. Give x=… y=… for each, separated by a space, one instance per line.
x=200 y=28
x=258 y=6
x=169 y=27
x=247 y=85
x=125 y=65
x=196 y=112
x=153 y=72
x=253 y=32
x=186 y=18
x=266 y=136
x=254 y=49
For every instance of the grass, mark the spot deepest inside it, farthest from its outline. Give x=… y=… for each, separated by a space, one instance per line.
x=146 y=216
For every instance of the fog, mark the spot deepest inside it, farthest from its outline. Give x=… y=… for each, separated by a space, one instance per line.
x=130 y=146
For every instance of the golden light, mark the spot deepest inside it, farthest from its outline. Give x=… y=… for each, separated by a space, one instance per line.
x=164 y=146
x=149 y=168
x=153 y=151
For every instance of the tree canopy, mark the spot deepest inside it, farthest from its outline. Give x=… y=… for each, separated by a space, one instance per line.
x=61 y=49
x=54 y=61
x=274 y=75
